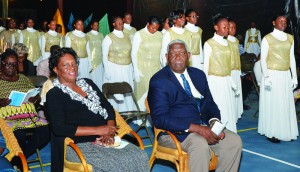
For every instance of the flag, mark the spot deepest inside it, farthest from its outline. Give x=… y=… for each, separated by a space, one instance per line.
x=57 y=17
x=70 y=23
x=88 y=20
x=104 y=26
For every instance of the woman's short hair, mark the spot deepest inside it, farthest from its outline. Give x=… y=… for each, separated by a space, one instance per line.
x=153 y=20
x=8 y=52
x=279 y=15
x=189 y=11
x=217 y=18
x=114 y=19
x=58 y=54
x=176 y=14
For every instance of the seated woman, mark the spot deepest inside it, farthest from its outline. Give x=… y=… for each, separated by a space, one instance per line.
x=22 y=119
x=76 y=108
x=25 y=66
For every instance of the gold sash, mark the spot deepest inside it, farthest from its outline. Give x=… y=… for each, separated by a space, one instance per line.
x=252 y=38
x=196 y=37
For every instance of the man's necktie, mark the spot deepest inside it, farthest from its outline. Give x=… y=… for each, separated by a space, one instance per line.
x=186 y=85
x=188 y=90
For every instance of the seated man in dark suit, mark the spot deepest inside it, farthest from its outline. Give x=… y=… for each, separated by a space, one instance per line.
x=175 y=106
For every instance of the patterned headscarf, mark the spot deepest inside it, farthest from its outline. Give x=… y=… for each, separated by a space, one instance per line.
x=20 y=49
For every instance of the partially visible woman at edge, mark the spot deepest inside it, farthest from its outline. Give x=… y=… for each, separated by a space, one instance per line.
x=277 y=113
x=76 y=108
x=21 y=119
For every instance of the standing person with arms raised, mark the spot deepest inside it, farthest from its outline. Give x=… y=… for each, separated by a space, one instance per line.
x=252 y=40
x=94 y=48
x=116 y=49
x=31 y=38
x=217 y=67
x=235 y=68
x=180 y=102
x=196 y=45
x=175 y=32
x=277 y=113
x=146 y=47
x=77 y=40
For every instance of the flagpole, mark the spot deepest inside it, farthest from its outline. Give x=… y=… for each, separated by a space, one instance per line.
x=60 y=7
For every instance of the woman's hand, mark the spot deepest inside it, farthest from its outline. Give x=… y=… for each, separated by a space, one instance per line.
x=106 y=130
x=4 y=102
x=36 y=99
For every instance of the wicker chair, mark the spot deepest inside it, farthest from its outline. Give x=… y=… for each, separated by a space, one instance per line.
x=12 y=145
x=177 y=156
x=110 y=89
x=123 y=130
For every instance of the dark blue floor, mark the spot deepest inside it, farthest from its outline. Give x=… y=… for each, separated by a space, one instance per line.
x=259 y=155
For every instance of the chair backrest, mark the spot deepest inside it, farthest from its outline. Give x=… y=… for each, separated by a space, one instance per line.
x=109 y=89
x=116 y=88
x=247 y=60
x=38 y=81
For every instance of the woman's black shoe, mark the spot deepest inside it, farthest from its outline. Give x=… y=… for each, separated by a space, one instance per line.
x=273 y=140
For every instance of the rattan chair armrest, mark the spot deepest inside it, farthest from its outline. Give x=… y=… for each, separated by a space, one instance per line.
x=138 y=138
x=177 y=143
x=70 y=142
x=24 y=162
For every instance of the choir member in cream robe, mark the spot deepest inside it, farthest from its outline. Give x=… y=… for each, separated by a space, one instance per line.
x=31 y=38
x=217 y=67
x=94 y=48
x=116 y=49
x=175 y=32
x=49 y=39
x=196 y=44
x=77 y=40
x=235 y=68
x=145 y=52
x=8 y=36
x=127 y=28
x=165 y=25
x=252 y=40
x=277 y=115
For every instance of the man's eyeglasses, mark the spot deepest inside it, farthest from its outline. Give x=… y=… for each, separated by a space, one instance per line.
x=9 y=65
